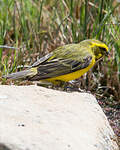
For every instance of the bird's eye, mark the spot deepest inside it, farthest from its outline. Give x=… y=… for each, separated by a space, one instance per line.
x=104 y=49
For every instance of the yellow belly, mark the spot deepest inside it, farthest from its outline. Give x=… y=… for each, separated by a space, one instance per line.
x=73 y=75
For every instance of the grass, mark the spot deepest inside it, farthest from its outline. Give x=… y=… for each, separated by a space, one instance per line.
x=38 y=27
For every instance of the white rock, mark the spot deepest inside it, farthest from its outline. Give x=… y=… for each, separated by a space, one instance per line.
x=36 y=118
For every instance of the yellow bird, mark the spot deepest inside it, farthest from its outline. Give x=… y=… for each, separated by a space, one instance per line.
x=65 y=63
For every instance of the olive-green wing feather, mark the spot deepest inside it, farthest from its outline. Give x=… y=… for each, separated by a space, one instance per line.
x=64 y=60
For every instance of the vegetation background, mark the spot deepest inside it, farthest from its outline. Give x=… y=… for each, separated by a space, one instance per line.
x=37 y=27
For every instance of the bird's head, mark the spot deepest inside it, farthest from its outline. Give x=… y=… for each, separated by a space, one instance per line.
x=98 y=48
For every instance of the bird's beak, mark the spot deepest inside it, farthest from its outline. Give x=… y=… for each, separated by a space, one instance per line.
x=107 y=53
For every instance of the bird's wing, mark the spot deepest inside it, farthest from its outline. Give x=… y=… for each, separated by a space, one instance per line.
x=41 y=60
x=63 y=61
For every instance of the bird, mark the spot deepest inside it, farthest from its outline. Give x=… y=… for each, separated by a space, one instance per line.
x=65 y=63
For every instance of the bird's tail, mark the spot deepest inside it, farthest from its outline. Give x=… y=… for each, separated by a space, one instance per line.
x=22 y=74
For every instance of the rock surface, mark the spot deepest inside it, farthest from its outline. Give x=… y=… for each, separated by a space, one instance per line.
x=36 y=118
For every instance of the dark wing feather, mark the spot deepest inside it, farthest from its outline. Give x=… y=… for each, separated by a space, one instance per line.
x=41 y=60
